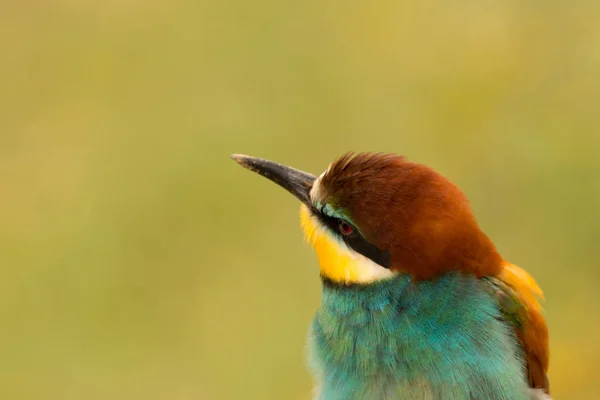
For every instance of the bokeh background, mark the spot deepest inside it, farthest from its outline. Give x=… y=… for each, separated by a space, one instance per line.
x=138 y=261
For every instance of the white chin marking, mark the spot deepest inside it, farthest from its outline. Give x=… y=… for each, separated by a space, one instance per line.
x=371 y=276
x=365 y=270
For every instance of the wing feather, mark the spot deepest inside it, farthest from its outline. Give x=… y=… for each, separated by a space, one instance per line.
x=518 y=295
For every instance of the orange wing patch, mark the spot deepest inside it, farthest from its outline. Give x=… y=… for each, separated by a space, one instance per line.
x=533 y=331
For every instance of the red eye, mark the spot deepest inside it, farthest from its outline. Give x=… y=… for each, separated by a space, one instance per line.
x=345 y=228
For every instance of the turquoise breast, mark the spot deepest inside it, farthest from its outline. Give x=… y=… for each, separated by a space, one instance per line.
x=400 y=339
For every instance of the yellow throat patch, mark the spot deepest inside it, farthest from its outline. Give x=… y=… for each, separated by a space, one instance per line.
x=337 y=261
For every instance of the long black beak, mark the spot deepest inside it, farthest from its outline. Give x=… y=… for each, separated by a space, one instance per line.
x=293 y=180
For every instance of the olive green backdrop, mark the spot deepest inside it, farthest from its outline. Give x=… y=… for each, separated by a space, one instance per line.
x=138 y=261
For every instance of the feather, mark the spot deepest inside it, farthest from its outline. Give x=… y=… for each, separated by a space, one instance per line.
x=518 y=293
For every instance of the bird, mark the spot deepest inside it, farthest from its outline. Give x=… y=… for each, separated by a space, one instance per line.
x=416 y=302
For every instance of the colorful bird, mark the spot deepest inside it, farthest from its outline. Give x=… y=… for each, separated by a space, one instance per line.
x=417 y=303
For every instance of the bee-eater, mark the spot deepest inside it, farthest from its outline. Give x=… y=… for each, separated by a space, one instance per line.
x=417 y=303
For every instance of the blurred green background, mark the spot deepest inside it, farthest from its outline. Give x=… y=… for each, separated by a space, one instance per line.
x=139 y=262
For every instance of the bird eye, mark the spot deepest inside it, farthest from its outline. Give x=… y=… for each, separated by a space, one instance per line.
x=345 y=228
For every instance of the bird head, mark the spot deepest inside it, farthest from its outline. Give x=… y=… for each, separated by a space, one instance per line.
x=372 y=215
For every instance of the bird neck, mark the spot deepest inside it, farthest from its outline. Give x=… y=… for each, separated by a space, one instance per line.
x=434 y=335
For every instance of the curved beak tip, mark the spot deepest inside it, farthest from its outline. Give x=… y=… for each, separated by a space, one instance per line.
x=242 y=159
x=238 y=157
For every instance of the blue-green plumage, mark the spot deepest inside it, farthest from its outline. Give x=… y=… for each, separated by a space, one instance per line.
x=401 y=339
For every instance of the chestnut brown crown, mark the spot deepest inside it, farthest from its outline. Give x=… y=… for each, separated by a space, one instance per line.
x=418 y=216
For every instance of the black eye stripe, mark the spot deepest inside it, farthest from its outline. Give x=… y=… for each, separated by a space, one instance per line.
x=355 y=240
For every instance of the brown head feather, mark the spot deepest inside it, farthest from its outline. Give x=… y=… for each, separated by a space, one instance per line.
x=419 y=216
